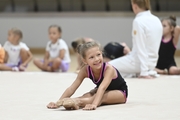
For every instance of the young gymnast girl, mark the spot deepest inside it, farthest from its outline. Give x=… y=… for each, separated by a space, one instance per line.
x=171 y=32
x=17 y=54
x=57 y=56
x=110 y=86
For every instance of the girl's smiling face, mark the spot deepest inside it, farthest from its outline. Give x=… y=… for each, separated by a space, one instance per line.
x=94 y=58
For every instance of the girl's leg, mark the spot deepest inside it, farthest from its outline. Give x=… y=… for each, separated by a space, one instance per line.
x=39 y=64
x=110 y=97
x=55 y=64
x=113 y=97
x=4 y=67
x=173 y=70
x=24 y=55
x=159 y=71
x=60 y=102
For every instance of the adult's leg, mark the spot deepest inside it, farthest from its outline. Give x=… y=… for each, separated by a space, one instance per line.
x=126 y=65
x=173 y=70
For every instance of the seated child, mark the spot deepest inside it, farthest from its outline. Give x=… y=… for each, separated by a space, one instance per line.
x=17 y=54
x=57 y=53
x=110 y=88
x=166 y=63
x=114 y=50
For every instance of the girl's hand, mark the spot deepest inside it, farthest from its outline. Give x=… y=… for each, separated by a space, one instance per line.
x=52 y=105
x=22 y=67
x=90 y=107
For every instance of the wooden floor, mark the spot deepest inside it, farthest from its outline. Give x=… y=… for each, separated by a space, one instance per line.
x=73 y=64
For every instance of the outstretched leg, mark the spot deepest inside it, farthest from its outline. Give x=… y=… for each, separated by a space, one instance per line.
x=110 y=97
x=39 y=64
x=159 y=71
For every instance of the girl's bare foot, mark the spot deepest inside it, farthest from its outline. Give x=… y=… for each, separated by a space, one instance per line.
x=70 y=104
x=59 y=103
x=52 y=105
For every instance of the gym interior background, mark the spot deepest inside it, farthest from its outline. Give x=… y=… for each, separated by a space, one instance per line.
x=102 y=20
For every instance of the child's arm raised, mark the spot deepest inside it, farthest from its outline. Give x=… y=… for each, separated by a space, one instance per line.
x=108 y=76
x=176 y=35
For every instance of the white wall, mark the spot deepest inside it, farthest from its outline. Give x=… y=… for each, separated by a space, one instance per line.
x=104 y=27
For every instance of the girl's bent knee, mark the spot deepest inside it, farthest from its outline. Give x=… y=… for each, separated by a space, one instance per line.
x=174 y=71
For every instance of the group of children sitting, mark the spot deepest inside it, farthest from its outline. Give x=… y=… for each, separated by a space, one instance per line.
x=15 y=55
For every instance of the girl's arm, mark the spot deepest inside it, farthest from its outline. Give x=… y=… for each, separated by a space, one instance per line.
x=46 y=58
x=62 y=53
x=109 y=74
x=176 y=35
x=71 y=90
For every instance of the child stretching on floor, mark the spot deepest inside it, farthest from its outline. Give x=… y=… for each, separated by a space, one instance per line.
x=171 y=33
x=57 y=53
x=17 y=54
x=110 y=86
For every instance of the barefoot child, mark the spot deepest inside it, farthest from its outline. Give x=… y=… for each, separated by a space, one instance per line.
x=170 y=38
x=17 y=54
x=57 y=53
x=110 y=86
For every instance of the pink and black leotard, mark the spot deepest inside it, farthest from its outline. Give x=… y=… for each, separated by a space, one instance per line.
x=166 y=55
x=117 y=83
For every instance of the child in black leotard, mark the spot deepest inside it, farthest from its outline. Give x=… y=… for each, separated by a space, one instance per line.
x=110 y=86
x=167 y=49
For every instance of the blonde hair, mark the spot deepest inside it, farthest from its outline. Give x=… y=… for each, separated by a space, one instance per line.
x=143 y=4
x=17 y=31
x=82 y=48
